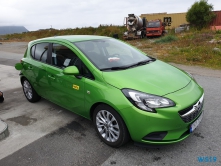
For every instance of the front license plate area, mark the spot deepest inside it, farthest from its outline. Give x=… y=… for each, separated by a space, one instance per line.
x=196 y=123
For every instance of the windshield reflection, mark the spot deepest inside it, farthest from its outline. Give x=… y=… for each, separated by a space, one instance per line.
x=110 y=53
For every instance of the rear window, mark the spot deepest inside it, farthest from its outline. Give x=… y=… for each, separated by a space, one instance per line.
x=39 y=52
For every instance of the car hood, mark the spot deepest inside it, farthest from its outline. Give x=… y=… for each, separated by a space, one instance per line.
x=156 y=78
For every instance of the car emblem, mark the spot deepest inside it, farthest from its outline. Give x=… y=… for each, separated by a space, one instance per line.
x=197 y=106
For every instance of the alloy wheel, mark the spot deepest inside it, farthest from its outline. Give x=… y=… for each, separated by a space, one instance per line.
x=107 y=126
x=27 y=89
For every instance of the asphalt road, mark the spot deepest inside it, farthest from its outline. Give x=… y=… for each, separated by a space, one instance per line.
x=44 y=134
x=9 y=59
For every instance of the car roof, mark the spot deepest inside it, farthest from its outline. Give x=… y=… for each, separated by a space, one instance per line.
x=74 y=38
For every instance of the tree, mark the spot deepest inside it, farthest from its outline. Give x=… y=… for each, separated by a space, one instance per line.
x=200 y=14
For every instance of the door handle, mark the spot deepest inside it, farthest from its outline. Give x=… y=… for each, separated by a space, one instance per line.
x=30 y=67
x=51 y=77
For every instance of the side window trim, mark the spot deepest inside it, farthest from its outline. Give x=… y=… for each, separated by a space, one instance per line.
x=49 y=54
x=84 y=67
x=33 y=55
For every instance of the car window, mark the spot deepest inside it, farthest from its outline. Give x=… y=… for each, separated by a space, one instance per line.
x=63 y=57
x=83 y=70
x=39 y=52
x=89 y=47
x=86 y=72
x=108 y=53
x=114 y=50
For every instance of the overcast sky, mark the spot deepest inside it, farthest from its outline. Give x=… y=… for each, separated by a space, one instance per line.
x=62 y=14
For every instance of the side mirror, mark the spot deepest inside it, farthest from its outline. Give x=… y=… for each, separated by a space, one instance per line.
x=71 y=70
x=18 y=66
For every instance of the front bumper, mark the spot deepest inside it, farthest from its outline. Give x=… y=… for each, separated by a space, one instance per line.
x=153 y=34
x=142 y=125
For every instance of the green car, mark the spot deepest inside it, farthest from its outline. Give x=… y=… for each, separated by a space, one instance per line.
x=127 y=94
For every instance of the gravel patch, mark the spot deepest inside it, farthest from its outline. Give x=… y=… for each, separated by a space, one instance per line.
x=15 y=47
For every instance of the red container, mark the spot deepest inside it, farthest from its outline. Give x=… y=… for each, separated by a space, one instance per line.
x=215 y=27
x=217 y=19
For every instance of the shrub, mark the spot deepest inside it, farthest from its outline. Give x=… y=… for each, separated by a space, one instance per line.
x=200 y=14
x=166 y=39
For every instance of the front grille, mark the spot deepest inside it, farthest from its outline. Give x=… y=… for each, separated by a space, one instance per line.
x=190 y=113
x=153 y=31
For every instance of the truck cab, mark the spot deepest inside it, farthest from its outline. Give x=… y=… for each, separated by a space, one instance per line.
x=155 y=28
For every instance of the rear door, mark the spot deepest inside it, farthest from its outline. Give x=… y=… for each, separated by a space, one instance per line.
x=36 y=68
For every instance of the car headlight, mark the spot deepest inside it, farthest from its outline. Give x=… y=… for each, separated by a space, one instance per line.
x=147 y=102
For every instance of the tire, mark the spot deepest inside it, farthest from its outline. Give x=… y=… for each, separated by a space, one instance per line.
x=30 y=94
x=143 y=35
x=110 y=126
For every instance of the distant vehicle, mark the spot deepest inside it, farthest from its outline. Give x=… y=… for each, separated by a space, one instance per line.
x=126 y=93
x=136 y=27
x=155 y=28
x=182 y=27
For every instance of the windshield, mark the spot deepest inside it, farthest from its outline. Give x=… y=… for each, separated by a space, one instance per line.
x=153 y=24
x=110 y=53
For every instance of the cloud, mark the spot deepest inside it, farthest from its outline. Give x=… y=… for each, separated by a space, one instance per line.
x=74 y=13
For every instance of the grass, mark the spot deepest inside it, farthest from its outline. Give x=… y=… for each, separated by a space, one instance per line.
x=189 y=48
x=166 y=39
x=195 y=49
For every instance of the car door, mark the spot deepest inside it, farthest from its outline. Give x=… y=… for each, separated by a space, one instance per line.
x=36 y=68
x=65 y=90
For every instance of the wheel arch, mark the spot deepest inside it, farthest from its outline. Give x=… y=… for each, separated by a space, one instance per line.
x=92 y=109
x=99 y=103
x=22 y=78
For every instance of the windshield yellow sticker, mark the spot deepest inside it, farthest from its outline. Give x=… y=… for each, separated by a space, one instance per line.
x=76 y=87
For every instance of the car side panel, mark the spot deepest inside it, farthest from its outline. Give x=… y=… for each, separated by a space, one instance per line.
x=36 y=73
x=66 y=90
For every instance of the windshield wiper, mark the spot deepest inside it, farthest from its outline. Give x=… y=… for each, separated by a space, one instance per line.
x=114 y=68
x=144 y=62
x=129 y=66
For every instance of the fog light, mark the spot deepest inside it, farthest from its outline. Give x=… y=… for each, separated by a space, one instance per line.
x=155 y=136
